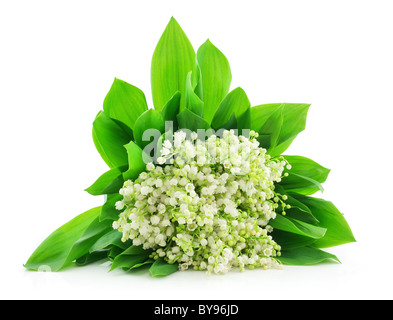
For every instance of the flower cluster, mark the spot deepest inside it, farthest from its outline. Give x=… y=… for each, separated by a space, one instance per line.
x=208 y=207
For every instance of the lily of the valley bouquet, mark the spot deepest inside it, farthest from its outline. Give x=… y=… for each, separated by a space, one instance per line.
x=199 y=181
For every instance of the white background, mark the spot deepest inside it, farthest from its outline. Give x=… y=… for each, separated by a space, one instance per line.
x=58 y=60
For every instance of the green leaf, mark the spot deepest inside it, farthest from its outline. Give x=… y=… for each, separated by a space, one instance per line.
x=216 y=77
x=108 y=210
x=298 y=209
x=149 y=125
x=305 y=256
x=305 y=176
x=171 y=108
x=307 y=168
x=301 y=184
x=230 y=124
x=270 y=131
x=95 y=230
x=293 y=122
x=113 y=237
x=130 y=257
x=260 y=114
x=124 y=102
x=289 y=240
x=295 y=116
x=137 y=160
x=189 y=120
x=196 y=79
x=338 y=231
x=161 y=268
x=193 y=102
x=114 y=252
x=92 y=257
x=67 y=243
x=173 y=59
x=109 y=138
x=244 y=123
x=138 y=265
x=236 y=102
x=280 y=147
x=298 y=227
x=110 y=182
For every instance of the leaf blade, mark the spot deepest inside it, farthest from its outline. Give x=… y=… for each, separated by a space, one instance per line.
x=172 y=59
x=137 y=160
x=124 y=102
x=305 y=256
x=216 y=77
x=109 y=182
x=235 y=103
x=56 y=248
x=298 y=227
x=338 y=230
x=109 y=139
x=160 y=268
x=147 y=126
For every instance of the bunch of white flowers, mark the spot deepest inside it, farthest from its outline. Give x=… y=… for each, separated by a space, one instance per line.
x=207 y=205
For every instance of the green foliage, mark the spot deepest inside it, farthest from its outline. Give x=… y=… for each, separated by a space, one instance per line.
x=173 y=59
x=71 y=241
x=109 y=138
x=192 y=90
x=216 y=77
x=124 y=102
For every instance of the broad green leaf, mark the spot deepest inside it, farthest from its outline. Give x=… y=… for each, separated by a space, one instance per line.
x=293 y=122
x=230 y=124
x=108 y=210
x=173 y=59
x=298 y=227
x=289 y=240
x=196 y=79
x=138 y=265
x=171 y=108
x=160 y=268
x=130 y=257
x=58 y=250
x=305 y=256
x=137 y=160
x=189 y=120
x=95 y=230
x=307 y=167
x=301 y=184
x=244 y=123
x=216 y=77
x=298 y=209
x=109 y=138
x=150 y=124
x=113 y=237
x=338 y=231
x=280 y=147
x=92 y=257
x=295 y=116
x=270 y=131
x=305 y=176
x=114 y=252
x=124 y=102
x=236 y=102
x=110 y=182
x=193 y=102
x=260 y=113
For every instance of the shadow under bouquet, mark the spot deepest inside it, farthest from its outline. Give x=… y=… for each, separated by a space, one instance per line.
x=199 y=181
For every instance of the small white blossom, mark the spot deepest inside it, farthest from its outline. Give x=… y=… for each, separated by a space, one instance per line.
x=209 y=208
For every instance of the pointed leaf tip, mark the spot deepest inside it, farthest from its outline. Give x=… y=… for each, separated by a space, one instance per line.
x=172 y=59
